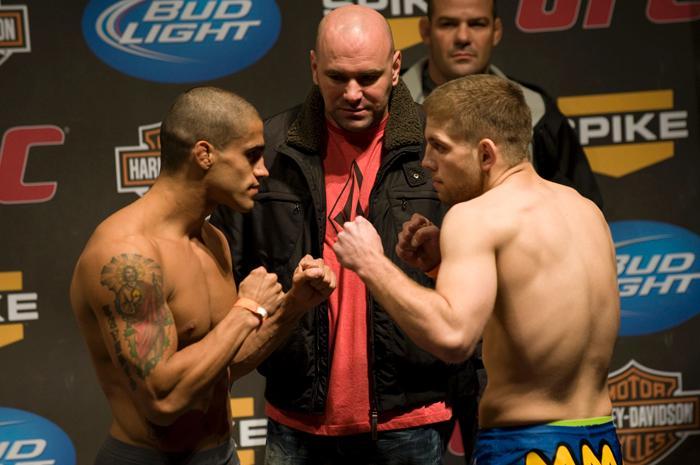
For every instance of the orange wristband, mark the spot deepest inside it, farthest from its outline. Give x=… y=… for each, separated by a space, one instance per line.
x=433 y=273
x=253 y=306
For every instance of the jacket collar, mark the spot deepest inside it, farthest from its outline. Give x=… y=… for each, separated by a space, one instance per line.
x=308 y=131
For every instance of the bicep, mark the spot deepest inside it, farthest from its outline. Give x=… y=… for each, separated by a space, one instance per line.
x=137 y=326
x=468 y=276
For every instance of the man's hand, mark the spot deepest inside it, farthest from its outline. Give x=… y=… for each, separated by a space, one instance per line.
x=358 y=244
x=263 y=288
x=419 y=243
x=312 y=283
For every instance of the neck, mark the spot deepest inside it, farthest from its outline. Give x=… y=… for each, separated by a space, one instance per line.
x=179 y=207
x=502 y=176
x=359 y=138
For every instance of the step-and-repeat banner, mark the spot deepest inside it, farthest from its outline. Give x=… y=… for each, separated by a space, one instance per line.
x=84 y=86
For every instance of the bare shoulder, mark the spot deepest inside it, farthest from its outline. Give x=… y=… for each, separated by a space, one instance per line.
x=487 y=220
x=494 y=210
x=111 y=255
x=574 y=201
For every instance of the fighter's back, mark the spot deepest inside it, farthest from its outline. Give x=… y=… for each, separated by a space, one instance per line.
x=548 y=344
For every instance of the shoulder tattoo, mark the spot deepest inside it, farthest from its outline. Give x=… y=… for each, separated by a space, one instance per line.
x=137 y=285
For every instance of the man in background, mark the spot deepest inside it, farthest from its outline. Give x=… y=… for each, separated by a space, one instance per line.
x=460 y=36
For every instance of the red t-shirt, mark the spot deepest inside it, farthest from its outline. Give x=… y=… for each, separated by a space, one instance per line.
x=351 y=165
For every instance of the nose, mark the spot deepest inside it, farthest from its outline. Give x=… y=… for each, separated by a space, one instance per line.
x=463 y=34
x=353 y=92
x=428 y=161
x=259 y=169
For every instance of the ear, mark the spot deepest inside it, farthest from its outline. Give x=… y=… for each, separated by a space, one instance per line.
x=202 y=152
x=489 y=154
x=497 y=31
x=395 y=68
x=314 y=66
x=424 y=29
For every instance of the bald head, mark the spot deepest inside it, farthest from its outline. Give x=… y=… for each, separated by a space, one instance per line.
x=355 y=67
x=202 y=113
x=353 y=27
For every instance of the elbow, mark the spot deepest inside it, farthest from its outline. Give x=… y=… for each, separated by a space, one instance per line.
x=162 y=412
x=163 y=408
x=455 y=349
x=456 y=355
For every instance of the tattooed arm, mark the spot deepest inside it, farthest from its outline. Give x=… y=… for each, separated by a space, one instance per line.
x=125 y=292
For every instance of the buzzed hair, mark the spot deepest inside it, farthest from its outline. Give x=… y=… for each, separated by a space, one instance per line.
x=484 y=106
x=429 y=13
x=202 y=113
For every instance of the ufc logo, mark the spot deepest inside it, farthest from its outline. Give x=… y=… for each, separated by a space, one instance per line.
x=14 y=153
x=535 y=16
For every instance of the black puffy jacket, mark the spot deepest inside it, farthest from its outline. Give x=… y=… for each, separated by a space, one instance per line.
x=288 y=221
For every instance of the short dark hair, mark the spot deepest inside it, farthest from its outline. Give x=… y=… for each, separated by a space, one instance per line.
x=481 y=106
x=201 y=113
x=494 y=10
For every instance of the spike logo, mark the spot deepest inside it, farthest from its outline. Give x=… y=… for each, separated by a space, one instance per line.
x=19 y=307
x=625 y=132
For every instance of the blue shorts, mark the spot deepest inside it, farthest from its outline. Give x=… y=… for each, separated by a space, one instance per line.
x=548 y=444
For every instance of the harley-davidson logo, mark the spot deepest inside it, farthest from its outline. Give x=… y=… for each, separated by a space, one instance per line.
x=138 y=166
x=653 y=414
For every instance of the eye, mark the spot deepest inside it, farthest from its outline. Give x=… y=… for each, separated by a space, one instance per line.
x=254 y=154
x=437 y=146
x=445 y=23
x=336 y=77
x=479 y=23
x=368 y=79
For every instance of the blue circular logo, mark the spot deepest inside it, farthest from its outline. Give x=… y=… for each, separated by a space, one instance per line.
x=180 y=41
x=658 y=275
x=28 y=438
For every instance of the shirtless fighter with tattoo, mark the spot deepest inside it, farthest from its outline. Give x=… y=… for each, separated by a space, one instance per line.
x=155 y=299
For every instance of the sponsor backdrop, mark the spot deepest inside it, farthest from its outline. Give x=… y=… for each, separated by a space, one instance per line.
x=83 y=88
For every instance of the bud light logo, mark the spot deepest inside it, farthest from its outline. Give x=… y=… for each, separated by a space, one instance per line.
x=28 y=439
x=658 y=275
x=180 y=41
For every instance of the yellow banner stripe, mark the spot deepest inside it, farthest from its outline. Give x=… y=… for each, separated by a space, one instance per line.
x=616 y=103
x=620 y=160
x=246 y=456
x=9 y=334
x=10 y=281
x=242 y=407
x=405 y=31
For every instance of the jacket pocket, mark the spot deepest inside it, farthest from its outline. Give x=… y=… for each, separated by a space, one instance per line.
x=279 y=228
x=405 y=203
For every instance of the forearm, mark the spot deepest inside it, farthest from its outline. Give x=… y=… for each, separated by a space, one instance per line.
x=426 y=316
x=259 y=344
x=177 y=384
